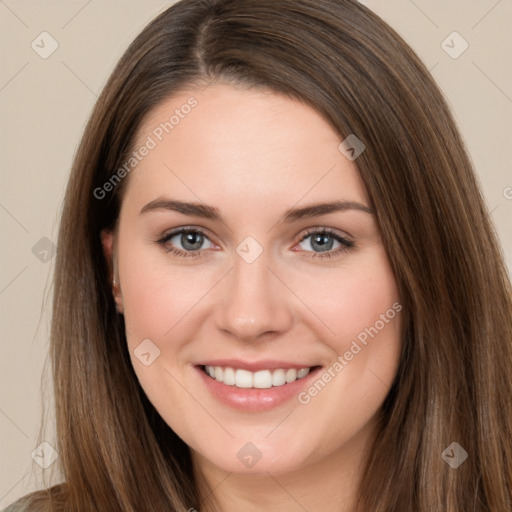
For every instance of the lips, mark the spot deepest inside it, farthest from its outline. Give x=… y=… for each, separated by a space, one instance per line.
x=254 y=366
x=255 y=386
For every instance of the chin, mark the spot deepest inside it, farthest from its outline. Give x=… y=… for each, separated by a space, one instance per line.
x=258 y=458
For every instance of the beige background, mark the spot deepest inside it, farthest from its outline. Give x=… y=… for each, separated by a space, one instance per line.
x=44 y=104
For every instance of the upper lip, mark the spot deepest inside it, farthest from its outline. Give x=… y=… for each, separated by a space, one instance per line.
x=253 y=366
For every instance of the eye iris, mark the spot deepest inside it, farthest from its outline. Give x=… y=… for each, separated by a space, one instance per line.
x=188 y=239
x=322 y=239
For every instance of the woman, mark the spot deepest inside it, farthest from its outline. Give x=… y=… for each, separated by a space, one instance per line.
x=277 y=285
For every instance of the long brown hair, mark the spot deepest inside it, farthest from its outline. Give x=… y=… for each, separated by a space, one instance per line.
x=116 y=452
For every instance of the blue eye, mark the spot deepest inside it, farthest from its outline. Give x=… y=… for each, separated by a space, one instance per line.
x=192 y=240
x=324 y=239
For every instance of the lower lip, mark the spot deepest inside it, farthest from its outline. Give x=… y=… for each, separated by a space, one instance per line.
x=254 y=399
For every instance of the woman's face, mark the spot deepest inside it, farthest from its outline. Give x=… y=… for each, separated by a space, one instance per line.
x=265 y=286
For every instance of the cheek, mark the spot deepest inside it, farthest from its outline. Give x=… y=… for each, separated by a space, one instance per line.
x=156 y=297
x=361 y=307
x=352 y=299
x=156 y=301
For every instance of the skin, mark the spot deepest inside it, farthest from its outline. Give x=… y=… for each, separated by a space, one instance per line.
x=254 y=154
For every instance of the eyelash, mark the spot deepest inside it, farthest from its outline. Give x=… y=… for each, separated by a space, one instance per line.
x=345 y=243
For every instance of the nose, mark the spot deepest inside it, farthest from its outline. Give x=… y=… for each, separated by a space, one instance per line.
x=255 y=303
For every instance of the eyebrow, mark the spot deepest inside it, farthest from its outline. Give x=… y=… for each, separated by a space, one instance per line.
x=294 y=214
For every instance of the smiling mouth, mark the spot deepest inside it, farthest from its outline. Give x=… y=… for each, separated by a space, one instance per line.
x=262 y=379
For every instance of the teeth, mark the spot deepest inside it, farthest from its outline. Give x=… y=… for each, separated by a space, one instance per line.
x=291 y=375
x=243 y=379
x=229 y=377
x=302 y=373
x=262 y=379
x=279 y=377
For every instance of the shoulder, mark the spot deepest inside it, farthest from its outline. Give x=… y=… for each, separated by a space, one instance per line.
x=46 y=500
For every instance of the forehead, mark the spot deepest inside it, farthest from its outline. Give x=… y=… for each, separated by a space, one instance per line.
x=226 y=143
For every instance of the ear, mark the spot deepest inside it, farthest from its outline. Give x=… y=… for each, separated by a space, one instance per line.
x=108 y=241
